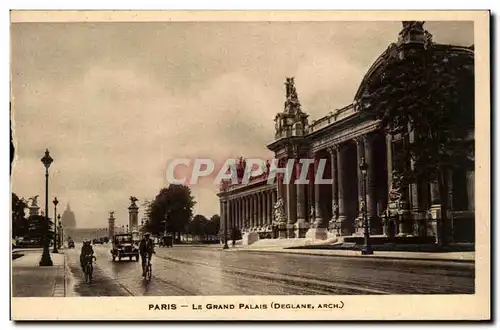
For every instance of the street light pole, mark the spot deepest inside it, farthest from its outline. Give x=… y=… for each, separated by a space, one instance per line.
x=46 y=260
x=367 y=248
x=55 y=201
x=60 y=231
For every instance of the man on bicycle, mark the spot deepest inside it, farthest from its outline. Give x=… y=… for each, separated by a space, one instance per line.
x=87 y=251
x=146 y=247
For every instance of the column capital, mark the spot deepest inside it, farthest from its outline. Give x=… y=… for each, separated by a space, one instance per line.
x=368 y=137
x=333 y=148
x=359 y=139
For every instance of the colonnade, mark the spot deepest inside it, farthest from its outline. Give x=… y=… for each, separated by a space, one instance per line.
x=307 y=205
x=249 y=212
x=339 y=219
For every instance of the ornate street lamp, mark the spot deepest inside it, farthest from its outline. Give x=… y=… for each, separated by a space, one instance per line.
x=367 y=249
x=60 y=240
x=224 y=212
x=55 y=201
x=46 y=260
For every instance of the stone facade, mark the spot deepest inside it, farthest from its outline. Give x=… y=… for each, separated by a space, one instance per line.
x=342 y=138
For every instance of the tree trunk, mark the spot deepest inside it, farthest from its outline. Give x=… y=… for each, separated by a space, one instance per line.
x=443 y=232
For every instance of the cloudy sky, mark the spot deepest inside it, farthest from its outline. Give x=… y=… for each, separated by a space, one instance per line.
x=114 y=102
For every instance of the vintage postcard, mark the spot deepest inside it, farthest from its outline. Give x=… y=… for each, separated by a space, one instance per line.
x=192 y=165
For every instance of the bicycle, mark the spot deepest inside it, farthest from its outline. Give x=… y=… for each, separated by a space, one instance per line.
x=89 y=269
x=148 y=272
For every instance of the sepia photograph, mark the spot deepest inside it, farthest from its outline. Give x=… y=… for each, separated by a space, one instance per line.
x=255 y=167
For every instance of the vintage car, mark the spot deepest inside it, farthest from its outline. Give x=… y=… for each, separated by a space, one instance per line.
x=124 y=246
x=71 y=244
x=166 y=241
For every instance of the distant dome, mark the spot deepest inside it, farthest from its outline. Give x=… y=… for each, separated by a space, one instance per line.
x=68 y=218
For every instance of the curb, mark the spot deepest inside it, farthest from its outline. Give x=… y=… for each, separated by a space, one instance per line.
x=60 y=281
x=464 y=261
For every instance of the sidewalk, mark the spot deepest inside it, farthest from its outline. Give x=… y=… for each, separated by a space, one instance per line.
x=467 y=257
x=31 y=280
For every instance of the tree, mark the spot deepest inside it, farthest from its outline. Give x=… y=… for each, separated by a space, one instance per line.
x=427 y=96
x=19 y=221
x=38 y=227
x=198 y=226
x=213 y=227
x=171 y=209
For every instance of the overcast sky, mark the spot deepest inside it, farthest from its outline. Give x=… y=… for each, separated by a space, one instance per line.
x=114 y=102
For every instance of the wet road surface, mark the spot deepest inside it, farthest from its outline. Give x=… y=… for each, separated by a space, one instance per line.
x=205 y=270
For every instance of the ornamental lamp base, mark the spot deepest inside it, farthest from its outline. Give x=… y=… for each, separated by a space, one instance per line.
x=46 y=262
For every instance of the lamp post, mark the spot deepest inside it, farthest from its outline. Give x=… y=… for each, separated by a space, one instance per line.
x=46 y=260
x=367 y=249
x=60 y=230
x=55 y=202
x=224 y=213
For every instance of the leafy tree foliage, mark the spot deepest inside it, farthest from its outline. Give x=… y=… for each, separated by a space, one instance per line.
x=38 y=226
x=171 y=209
x=198 y=225
x=20 y=223
x=202 y=227
x=214 y=225
x=426 y=97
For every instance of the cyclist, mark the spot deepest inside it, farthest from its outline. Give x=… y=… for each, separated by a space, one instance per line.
x=86 y=251
x=146 y=247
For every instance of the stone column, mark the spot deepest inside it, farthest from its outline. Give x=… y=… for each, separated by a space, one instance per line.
x=239 y=212
x=317 y=231
x=260 y=203
x=234 y=220
x=242 y=212
x=388 y=147
x=233 y=214
x=291 y=206
x=345 y=224
x=221 y=204
x=250 y=211
x=266 y=209
x=333 y=225
x=255 y=210
x=280 y=186
x=301 y=225
x=273 y=201
x=391 y=222
x=247 y=213
x=360 y=148
x=371 y=203
x=270 y=207
x=310 y=198
x=229 y=216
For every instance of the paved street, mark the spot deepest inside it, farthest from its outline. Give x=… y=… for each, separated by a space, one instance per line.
x=203 y=270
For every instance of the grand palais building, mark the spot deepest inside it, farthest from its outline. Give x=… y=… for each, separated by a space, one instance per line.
x=342 y=138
